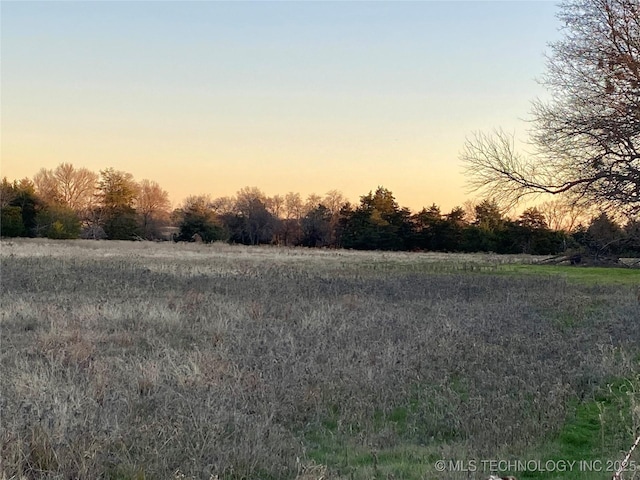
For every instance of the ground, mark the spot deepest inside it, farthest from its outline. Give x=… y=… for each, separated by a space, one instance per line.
x=132 y=360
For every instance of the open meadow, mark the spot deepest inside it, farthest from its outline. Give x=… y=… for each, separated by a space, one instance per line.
x=138 y=360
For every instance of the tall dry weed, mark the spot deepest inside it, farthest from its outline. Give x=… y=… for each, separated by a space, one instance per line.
x=216 y=361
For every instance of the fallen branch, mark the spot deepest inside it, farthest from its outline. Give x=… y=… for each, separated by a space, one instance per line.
x=625 y=462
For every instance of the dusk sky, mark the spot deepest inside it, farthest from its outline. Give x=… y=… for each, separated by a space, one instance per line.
x=209 y=97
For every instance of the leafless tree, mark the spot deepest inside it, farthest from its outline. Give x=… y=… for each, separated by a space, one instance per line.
x=293 y=206
x=67 y=185
x=563 y=214
x=46 y=186
x=334 y=201
x=275 y=205
x=586 y=139
x=247 y=196
x=292 y=215
x=152 y=205
x=224 y=205
x=313 y=200
x=197 y=203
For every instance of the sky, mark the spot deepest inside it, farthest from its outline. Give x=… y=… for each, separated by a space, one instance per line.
x=209 y=97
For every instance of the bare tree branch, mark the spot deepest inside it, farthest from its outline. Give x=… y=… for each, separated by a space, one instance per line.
x=587 y=138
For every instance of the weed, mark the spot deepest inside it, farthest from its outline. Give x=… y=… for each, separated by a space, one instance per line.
x=130 y=360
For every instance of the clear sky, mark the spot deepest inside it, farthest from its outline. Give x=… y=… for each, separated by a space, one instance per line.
x=209 y=97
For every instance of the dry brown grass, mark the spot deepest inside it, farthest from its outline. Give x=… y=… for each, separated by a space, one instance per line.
x=136 y=360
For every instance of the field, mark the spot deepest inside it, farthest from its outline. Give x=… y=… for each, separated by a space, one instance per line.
x=167 y=361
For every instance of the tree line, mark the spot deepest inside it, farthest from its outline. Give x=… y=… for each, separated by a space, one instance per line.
x=586 y=153
x=69 y=202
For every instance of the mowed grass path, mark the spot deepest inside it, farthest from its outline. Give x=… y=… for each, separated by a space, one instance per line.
x=143 y=361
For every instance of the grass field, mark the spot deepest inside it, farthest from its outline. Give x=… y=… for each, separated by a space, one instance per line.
x=165 y=361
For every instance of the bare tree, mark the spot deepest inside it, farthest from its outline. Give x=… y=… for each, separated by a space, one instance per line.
x=562 y=214
x=46 y=186
x=201 y=204
x=313 y=200
x=469 y=209
x=334 y=200
x=67 y=185
x=223 y=205
x=275 y=205
x=586 y=140
x=293 y=206
x=292 y=217
x=247 y=196
x=153 y=208
x=76 y=186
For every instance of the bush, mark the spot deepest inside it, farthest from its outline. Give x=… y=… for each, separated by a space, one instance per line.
x=58 y=222
x=11 y=222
